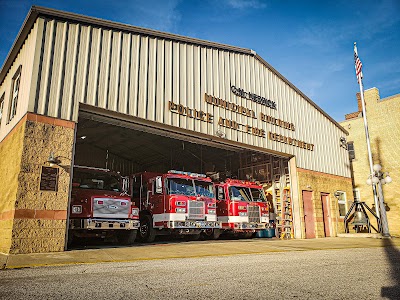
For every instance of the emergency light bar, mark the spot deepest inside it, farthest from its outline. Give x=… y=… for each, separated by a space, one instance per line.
x=245 y=182
x=187 y=173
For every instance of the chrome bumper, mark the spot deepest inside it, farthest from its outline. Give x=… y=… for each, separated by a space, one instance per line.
x=254 y=226
x=194 y=224
x=114 y=224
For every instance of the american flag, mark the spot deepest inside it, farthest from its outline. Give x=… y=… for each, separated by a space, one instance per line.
x=357 y=64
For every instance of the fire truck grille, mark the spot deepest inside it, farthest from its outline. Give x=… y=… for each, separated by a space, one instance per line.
x=254 y=213
x=196 y=210
x=111 y=208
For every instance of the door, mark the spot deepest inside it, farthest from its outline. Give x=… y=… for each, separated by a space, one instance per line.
x=309 y=219
x=326 y=214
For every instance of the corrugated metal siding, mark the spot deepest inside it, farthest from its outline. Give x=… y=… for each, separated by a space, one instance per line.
x=24 y=59
x=138 y=75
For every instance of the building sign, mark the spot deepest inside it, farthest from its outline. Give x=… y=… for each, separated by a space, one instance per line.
x=290 y=141
x=230 y=106
x=241 y=127
x=49 y=179
x=277 y=122
x=253 y=97
x=190 y=113
x=244 y=111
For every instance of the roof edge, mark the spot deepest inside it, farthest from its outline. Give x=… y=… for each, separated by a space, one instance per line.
x=43 y=11
x=36 y=11
x=18 y=42
x=258 y=57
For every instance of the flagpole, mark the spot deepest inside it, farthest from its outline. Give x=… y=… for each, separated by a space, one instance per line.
x=367 y=137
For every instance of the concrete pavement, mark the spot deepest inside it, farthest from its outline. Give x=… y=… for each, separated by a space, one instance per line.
x=177 y=249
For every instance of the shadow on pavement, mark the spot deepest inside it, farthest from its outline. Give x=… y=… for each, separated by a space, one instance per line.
x=393 y=257
x=98 y=243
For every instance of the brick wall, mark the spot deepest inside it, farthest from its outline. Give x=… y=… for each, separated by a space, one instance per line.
x=383 y=116
x=38 y=218
x=10 y=162
x=328 y=184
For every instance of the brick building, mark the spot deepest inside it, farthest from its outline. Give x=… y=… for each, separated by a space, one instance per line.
x=152 y=101
x=383 y=116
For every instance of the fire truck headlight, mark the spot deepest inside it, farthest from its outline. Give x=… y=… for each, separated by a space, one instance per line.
x=211 y=211
x=264 y=215
x=243 y=214
x=76 y=209
x=180 y=203
x=180 y=210
x=242 y=207
x=135 y=211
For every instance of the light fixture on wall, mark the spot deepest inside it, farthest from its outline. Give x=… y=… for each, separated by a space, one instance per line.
x=343 y=142
x=52 y=160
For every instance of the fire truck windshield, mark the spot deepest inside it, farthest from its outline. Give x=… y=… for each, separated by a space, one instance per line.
x=258 y=195
x=239 y=193
x=204 y=188
x=96 y=180
x=181 y=186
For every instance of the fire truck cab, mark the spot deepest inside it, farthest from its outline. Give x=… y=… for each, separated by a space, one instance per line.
x=100 y=206
x=242 y=207
x=179 y=203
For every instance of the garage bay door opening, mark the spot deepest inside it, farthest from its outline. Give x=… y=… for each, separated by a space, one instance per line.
x=128 y=149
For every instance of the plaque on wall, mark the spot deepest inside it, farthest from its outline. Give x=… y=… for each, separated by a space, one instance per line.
x=49 y=179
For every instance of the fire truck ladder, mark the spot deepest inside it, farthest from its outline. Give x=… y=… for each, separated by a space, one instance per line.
x=286 y=215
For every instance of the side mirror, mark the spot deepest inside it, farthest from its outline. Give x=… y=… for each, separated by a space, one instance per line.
x=125 y=184
x=220 y=193
x=159 y=185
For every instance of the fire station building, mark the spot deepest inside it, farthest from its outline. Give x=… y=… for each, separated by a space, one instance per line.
x=97 y=93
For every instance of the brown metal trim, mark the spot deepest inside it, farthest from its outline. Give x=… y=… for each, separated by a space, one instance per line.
x=316 y=173
x=124 y=120
x=18 y=42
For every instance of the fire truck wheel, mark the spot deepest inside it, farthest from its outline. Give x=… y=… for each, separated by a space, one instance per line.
x=192 y=237
x=248 y=235
x=211 y=234
x=126 y=237
x=147 y=233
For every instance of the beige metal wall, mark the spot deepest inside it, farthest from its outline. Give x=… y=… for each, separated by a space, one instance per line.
x=137 y=75
x=24 y=59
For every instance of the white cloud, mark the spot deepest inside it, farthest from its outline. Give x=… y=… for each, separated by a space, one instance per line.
x=243 y=4
x=154 y=14
x=366 y=24
x=336 y=67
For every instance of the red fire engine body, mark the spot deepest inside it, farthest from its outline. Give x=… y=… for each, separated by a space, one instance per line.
x=176 y=202
x=100 y=206
x=241 y=207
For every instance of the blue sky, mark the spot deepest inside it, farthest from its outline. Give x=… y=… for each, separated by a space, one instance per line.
x=308 y=42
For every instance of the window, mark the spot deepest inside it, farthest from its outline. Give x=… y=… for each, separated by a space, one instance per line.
x=350 y=148
x=342 y=203
x=14 y=95
x=1 y=107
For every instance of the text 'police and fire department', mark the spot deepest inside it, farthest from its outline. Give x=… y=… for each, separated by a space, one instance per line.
x=242 y=110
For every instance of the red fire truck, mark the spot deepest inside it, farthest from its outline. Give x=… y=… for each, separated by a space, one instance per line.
x=242 y=208
x=179 y=203
x=100 y=206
